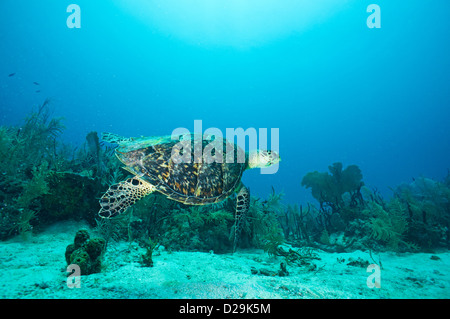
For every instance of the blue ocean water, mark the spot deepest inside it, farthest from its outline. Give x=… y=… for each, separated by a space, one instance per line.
x=338 y=90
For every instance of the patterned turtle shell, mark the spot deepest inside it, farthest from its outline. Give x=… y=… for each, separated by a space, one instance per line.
x=192 y=181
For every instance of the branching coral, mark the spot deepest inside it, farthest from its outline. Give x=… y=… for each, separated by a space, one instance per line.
x=297 y=222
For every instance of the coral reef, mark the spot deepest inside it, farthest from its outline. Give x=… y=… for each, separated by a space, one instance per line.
x=201 y=228
x=428 y=209
x=416 y=218
x=43 y=180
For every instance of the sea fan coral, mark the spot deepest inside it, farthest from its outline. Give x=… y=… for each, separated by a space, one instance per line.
x=328 y=189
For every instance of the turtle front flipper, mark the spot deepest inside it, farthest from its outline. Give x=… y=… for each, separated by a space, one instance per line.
x=242 y=206
x=120 y=196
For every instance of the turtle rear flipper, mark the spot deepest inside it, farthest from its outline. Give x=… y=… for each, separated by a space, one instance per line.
x=114 y=138
x=242 y=206
x=120 y=196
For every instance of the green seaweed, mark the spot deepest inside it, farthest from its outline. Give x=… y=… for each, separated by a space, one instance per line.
x=30 y=153
x=272 y=240
x=36 y=187
x=147 y=258
x=262 y=226
x=388 y=225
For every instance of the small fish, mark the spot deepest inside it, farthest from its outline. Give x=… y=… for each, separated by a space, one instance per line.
x=35 y=83
x=12 y=74
x=38 y=91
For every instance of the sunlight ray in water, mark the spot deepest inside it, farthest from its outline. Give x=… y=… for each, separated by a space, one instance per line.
x=237 y=23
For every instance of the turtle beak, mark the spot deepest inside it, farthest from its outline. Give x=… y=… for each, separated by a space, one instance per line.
x=273 y=158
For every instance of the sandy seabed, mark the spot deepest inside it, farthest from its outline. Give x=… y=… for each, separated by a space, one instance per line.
x=36 y=268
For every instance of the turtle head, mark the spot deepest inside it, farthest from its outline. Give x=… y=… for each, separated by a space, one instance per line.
x=261 y=159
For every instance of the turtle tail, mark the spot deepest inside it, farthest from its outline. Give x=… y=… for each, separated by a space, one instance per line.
x=120 y=196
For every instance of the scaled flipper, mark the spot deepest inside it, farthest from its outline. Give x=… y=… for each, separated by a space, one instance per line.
x=114 y=138
x=242 y=206
x=120 y=196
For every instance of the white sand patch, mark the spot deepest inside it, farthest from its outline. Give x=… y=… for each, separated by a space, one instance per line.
x=36 y=268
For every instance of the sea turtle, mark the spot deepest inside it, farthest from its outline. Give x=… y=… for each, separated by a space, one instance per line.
x=171 y=168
